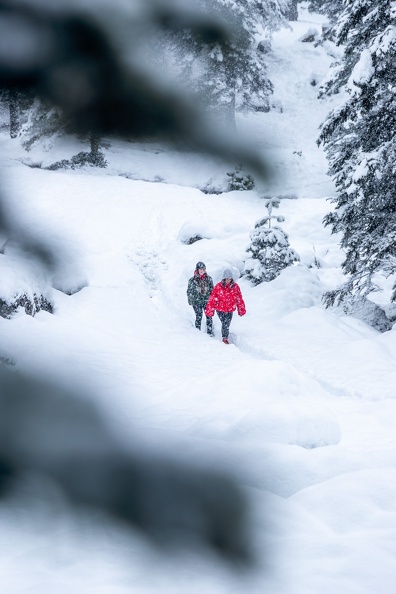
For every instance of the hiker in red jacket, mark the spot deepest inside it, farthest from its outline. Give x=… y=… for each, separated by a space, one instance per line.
x=225 y=298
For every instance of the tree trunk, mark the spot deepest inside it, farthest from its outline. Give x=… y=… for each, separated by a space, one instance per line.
x=14 y=113
x=291 y=11
x=95 y=146
x=229 y=115
x=229 y=112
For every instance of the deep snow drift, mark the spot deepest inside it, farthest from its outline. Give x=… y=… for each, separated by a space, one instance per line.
x=301 y=407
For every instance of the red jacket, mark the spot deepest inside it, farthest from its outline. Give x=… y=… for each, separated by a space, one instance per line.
x=225 y=298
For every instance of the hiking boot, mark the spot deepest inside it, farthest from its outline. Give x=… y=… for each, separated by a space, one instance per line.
x=225 y=340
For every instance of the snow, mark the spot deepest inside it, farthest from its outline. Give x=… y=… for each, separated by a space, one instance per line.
x=362 y=72
x=301 y=407
x=383 y=43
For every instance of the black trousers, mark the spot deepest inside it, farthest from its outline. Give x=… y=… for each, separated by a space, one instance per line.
x=225 y=319
x=199 y=309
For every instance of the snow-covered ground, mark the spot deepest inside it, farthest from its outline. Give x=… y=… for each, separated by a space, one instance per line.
x=302 y=405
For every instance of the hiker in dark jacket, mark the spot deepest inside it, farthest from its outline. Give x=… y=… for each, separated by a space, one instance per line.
x=199 y=288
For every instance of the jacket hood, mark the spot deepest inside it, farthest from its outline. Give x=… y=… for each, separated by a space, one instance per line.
x=227 y=274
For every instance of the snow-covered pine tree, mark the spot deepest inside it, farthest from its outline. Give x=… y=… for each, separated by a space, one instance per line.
x=42 y=121
x=360 y=142
x=232 y=76
x=269 y=250
x=240 y=180
x=45 y=123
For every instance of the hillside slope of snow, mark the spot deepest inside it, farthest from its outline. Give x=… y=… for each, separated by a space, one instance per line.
x=301 y=407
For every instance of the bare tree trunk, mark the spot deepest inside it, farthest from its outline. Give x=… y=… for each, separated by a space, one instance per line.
x=14 y=113
x=95 y=146
x=291 y=11
x=229 y=112
x=229 y=115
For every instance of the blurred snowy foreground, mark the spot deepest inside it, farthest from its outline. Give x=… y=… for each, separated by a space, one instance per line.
x=300 y=408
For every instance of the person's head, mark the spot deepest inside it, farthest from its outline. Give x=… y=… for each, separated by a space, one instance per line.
x=200 y=268
x=228 y=277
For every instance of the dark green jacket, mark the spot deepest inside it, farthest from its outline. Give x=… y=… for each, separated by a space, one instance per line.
x=199 y=288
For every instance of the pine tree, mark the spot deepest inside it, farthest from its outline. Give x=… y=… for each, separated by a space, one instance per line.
x=42 y=121
x=361 y=146
x=240 y=180
x=46 y=123
x=269 y=251
x=233 y=75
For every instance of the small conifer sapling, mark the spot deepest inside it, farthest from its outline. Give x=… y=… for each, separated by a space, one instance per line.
x=269 y=250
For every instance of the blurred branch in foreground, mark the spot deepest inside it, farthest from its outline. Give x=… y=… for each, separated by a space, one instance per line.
x=73 y=59
x=48 y=432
